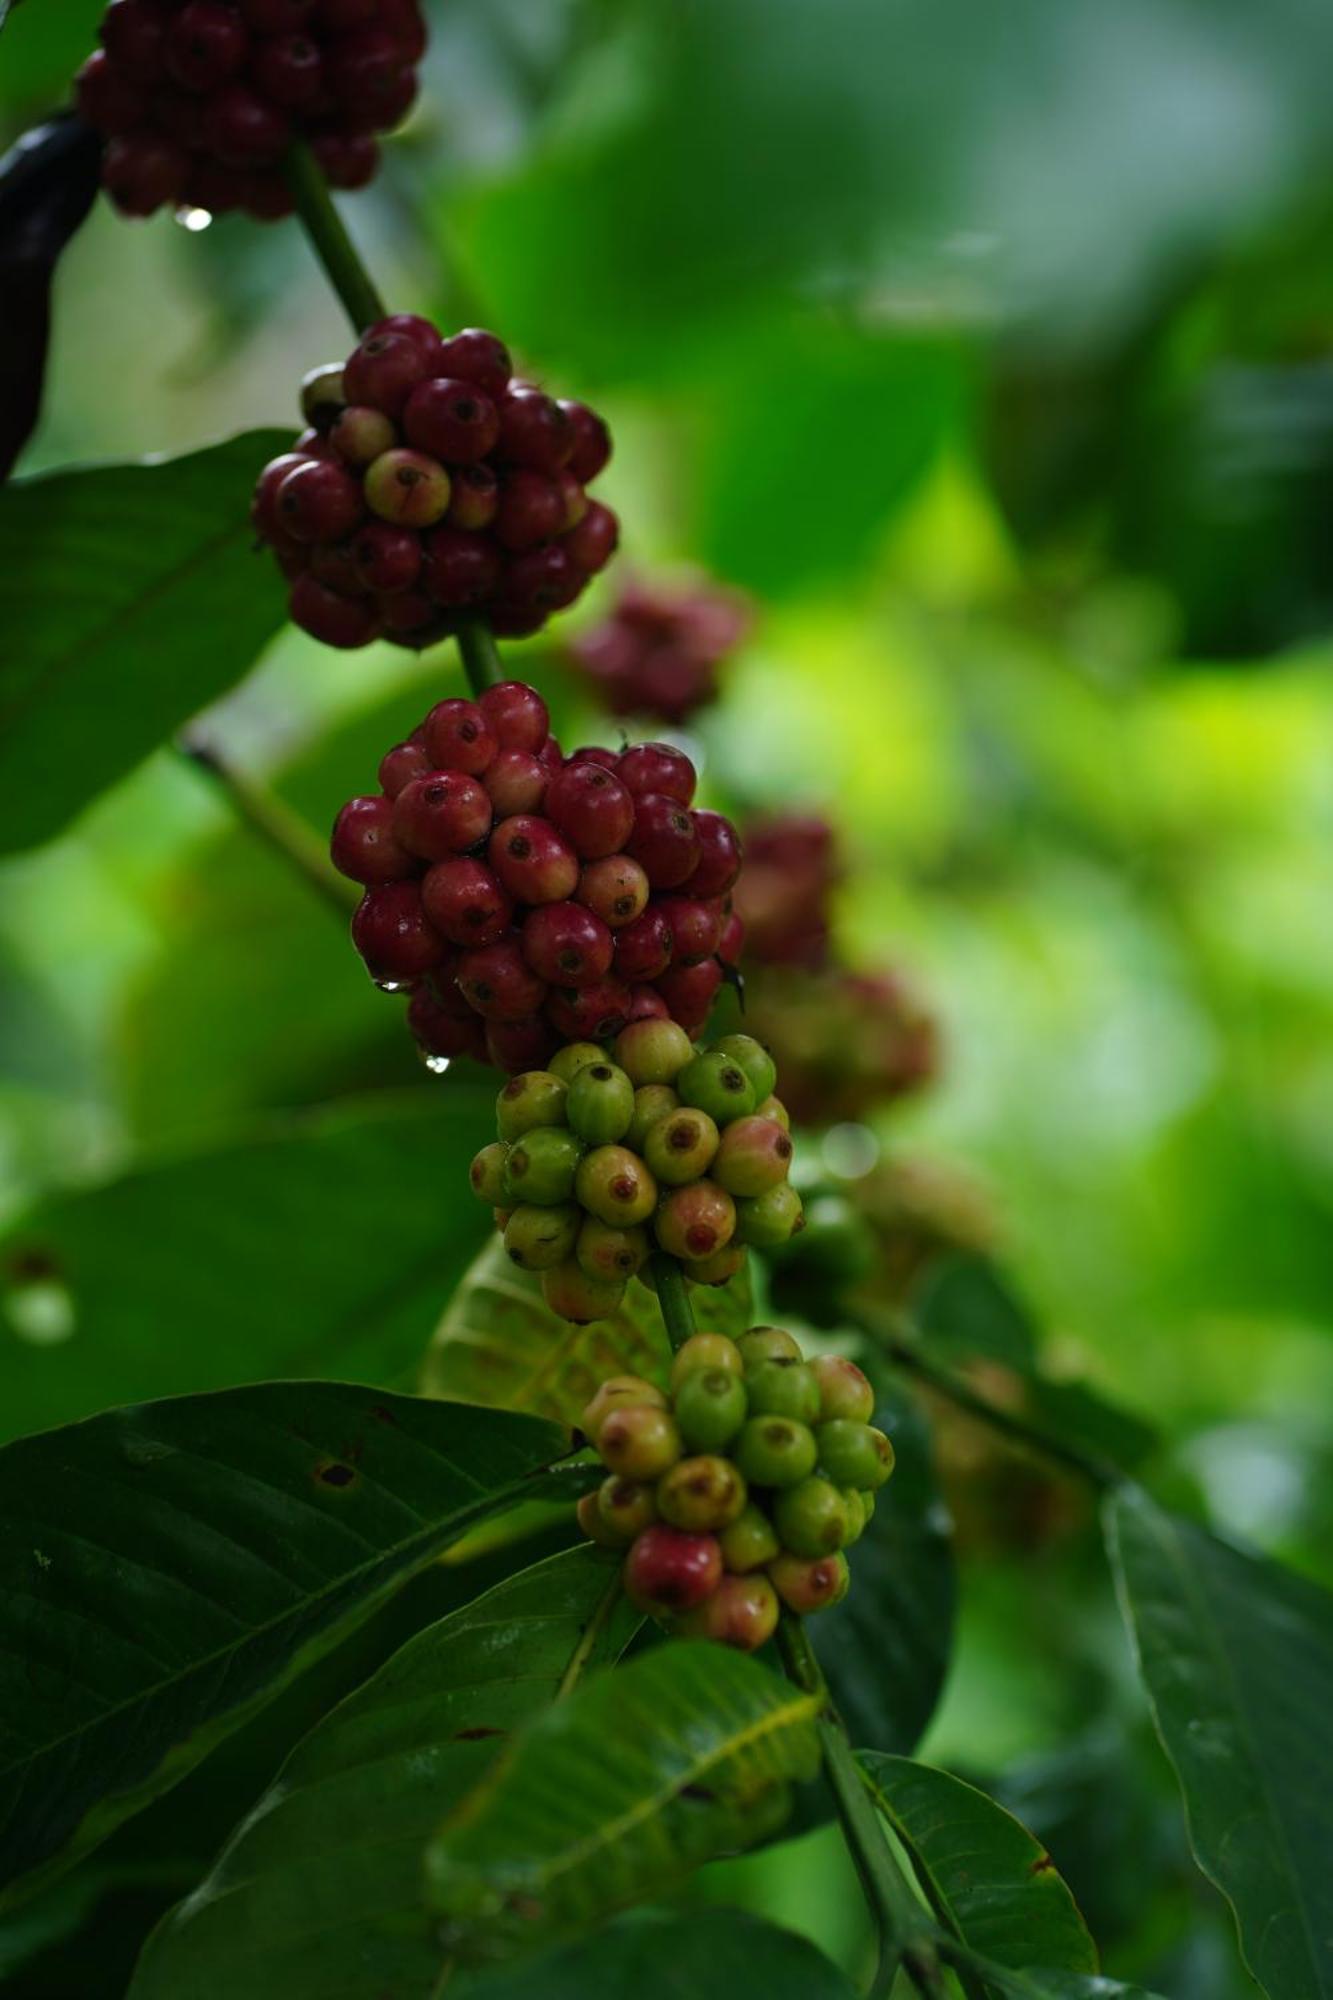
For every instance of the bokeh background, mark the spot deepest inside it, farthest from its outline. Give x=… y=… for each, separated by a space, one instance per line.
x=991 y=351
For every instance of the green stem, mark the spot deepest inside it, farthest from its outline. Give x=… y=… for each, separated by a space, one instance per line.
x=592 y=1632
x=481 y=655
x=674 y=1299
x=906 y=1933
x=284 y=831
x=905 y=1352
x=329 y=240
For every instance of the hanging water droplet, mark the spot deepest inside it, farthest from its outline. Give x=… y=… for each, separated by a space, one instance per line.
x=41 y=1311
x=437 y=1065
x=393 y=985
x=193 y=219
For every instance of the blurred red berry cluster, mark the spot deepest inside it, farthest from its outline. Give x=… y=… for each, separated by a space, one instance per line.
x=659 y=651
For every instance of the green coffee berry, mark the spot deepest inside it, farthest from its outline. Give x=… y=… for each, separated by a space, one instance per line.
x=597 y=1529
x=717 y=1085
x=774 y=1108
x=767 y=1343
x=710 y=1405
x=811 y=1517
x=806 y=1585
x=653 y=1051
x=705 y=1350
x=717 y=1269
x=784 y=1389
x=651 y=1102
x=743 y=1612
x=614 y=1185
x=487 y=1173
x=753 y=1058
x=680 y=1147
x=749 y=1541
x=754 y=1155
x=695 y=1221
x=608 y=1253
x=542 y=1165
x=856 y=1515
x=701 y=1494
x=600 y=1104
x=537 y=1238
x=567 y=1062
x=774 y=1451
x=573 y=1295
x=619 y=1392
x=638 y=1442
x=626 y=1506
x=534 y=1098
x=770 y=1219
x=843 y=1390
x=854 y=1454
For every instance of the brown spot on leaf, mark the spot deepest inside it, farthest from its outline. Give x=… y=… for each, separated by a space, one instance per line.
x=475 y=1734
x=1042 y=1863
x=332 y=1472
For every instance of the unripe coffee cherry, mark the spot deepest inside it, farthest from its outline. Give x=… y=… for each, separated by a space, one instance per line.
x=705 y=1351
x=653 y=1051
x=638 y=1442
x=669 y=1571
x=755 y=1154
x=360 y=435
x=785 y=1389
x=364 y=846
x=571 y=1294
x=844 y=1391
x=774 y=1108
x=742 y=1612
x=487 y=1174
x=542 y=1165
x=771 y=1219
x=601 y=1103
x=751 y=1056
x=811 y=1517
x=710 y=1405
x=611 y=1255
x=534 y=1098
x=407 y=488
x=768 y=1343
x=614 y=1185
x=703 y=1494
x=568 y=1061
x=323 y=398
x=806 y=1586
x=536 y=1239
x=718 y=1085
x=680 y=1147
x=750 y=1541
x=651 y=1102
x=720 y=1268
x=695 y=1221
x=774 y=1451
x=626 y=1507
x=616 y=890
x=619 y=1392
x=594 y=1525
x=856 y=1515
x=854 y=1454
x=440 y=814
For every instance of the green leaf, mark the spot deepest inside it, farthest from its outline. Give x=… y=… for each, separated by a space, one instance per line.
x=318 y=1894
x=618 y=1793
x=708 y=1954
x=885 y=1649
x=1039 y=1983
x=320 y=1246
x=1237 y=1658
x=131 y=596
x=166 y=1568
x=987 y=1879
x=499 y=1344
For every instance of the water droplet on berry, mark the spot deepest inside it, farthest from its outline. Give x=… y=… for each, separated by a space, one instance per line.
x=193 y=219
x=437 y=1065
x=393 y=985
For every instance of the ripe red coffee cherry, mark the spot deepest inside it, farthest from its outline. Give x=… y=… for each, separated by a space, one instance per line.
x=458 y=737
x=108 y=97
x=465 y=902
x=647 y=1004
x=205 y=45
x=244 y=129
x=533 y=860
x=545 y=579
x=346 y=622
x=657 y=767
x=695 y=1221
x=386 y=559
x=441 y=813
x=289 y=69
x=516 y=783
x=474 y=498
x=643 y=948
x=142 y=172
x=363 y=844
x=133 y=35
x=407 y=488
x=535 y=432
x=668 y=1571
x=592 y=808
x=363 y=74
x=277 y=17
x=412 y=618
x=384 y=369
x=400 y=765
x=530 y=511
x=690 y=990
x=318 y=502
x=615 y=890
x=460 y=568
x=591 y=1013
x=402 y=19
x=664 y=841
x=412 y=326
x=498 y=982
x=518 y=716
x=346 y=159
x=696 y=927
x=451 y=419
x=594 y=541
x=392 y=933
x=732 y=942
x=517 y=1046
x=719 y=862
x=574 y=500
x=592 y=441
x=477 y=356
x=596 y=753
x=566 y=944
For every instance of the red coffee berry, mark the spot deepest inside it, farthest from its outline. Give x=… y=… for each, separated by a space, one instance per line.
x=333 y=565
x=477 y=356
x=596 y=753
x=517 y=1046
x=475 y=496
x=346 y=159
x=515 y=783
x=518 y=716
x=441 y=813
x=690 y=990
x=719 y=862
x=412 y=326
x=364 y=70
x=551 y=756
x=451 y=419
x=289 y=69
x=615 y=890
x=664 y=841
x=205 y=45
x=566 y=944
x=591 y=808
x=643 y=948
x=133 y=35
x=108 y=97
x=533 y=860
x=498 y=982
x=392 y=934
x=360 y=435
x=657 y=767
x=440 y=1032
x=535 y=431
x=400 y=765
x=386 y=558
x=402 y=19
x=384 y=369
x=465 y=902
x=407 y=488
x=574 y=501
x=458 y=737
x=594 y=541
x=530 y=511
x=142 y=172
x=244 y=129
x=363 y=845
x=647 y=1004
x=732 y=941
x=696 y=927
x=592 y=441
x=545 y=579
x=460 y=568
x=318 y=502
x=346 y=622
x=411 y=618
x=668 y=1570
x=277 y=17
x=591 y=1013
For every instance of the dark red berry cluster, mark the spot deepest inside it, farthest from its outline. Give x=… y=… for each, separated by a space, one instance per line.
x=431 y=485
x=199 y=99
x=659 y=651
x=527 y=899
x=791 y=871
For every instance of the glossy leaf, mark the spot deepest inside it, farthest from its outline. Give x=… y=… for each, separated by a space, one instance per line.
x=988 y=1880
x=131 y=596
x=885 y=1649
x=499 y=1344
x=1237 y=1658
x=1041 y=1983
x=318 y=1894
x=166 y=1568
x=322 y=1245
x=618 y=1793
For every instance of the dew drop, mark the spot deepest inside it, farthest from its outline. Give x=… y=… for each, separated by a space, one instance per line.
x=437 y=1065
x=393 y=985
x=193 y=219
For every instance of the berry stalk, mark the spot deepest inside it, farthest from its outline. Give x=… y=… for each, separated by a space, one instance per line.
x=330 y=241
x=481 y=655
x=674 y=1299
x=275 y=824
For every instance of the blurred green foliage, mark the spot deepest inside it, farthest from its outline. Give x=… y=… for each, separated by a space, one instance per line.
x=993 y=350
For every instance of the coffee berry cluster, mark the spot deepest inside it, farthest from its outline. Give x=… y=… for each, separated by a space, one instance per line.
x=429 y=485
x=742 y=1488
x=659 y=651
x=526 y=899
x=198 y=100
x=602 y=1159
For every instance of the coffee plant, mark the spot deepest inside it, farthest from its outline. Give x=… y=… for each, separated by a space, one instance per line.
x=336 y=1660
